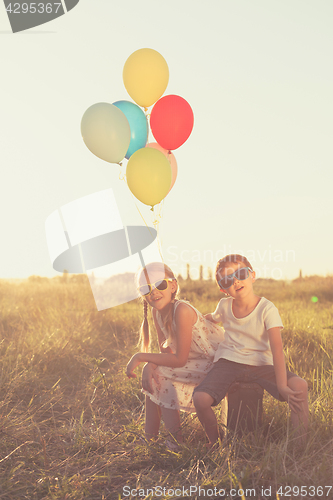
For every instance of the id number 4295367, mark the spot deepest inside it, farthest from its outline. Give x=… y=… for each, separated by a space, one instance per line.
x=33 y=8
x=305 y=491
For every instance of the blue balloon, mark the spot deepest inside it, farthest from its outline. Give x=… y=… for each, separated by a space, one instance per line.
x=138 y=125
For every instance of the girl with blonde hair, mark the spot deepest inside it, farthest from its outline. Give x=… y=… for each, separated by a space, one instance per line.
x=187 y=342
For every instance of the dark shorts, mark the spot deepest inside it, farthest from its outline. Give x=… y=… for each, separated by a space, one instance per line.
x=225 y=372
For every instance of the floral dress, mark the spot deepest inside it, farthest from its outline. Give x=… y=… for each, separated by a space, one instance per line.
x=176 y=385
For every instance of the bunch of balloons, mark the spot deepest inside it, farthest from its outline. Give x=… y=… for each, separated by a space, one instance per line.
x=120 y=130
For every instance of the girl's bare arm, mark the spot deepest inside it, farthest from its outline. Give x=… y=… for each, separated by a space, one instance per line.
x=185 y=318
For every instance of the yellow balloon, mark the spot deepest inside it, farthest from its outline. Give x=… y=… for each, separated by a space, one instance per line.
x=149 y=175
x=146 y=76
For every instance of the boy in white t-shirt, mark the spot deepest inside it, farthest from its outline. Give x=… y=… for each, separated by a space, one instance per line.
x=252 y=349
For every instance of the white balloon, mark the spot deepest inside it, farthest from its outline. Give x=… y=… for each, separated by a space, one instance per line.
x=106 y=132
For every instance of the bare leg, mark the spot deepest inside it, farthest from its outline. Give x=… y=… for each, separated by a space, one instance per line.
x=171 y=420
x=153 y=419
x=299 y=419
x=203 y=405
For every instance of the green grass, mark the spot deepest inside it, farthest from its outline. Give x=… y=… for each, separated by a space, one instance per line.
x=71 y=423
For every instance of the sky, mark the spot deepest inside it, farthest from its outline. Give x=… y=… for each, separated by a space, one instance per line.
x=255 y=176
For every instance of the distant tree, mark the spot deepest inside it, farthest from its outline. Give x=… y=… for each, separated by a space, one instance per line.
x=209 y=274
x=300 y=274
x=188 y=276
x=201 y=273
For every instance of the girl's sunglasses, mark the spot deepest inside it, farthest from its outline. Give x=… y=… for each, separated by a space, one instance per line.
x=159 y=285
x=241 y=275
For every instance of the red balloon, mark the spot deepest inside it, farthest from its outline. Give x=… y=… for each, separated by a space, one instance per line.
x=171 y=121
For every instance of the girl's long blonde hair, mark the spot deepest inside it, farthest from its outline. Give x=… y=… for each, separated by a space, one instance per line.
x=144 y=340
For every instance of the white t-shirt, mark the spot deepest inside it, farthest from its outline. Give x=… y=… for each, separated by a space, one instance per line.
x=246 y=339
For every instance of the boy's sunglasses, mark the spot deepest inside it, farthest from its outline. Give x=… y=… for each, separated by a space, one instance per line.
x=159 y=285
x=241 y=275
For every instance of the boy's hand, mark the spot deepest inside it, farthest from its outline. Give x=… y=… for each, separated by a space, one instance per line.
x=292 y=398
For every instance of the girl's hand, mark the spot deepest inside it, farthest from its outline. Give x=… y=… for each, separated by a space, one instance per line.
x=148 y=375
x=132 y=364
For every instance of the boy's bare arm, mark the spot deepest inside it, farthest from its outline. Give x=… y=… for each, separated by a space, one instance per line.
x=289 y=395
x=275 y=340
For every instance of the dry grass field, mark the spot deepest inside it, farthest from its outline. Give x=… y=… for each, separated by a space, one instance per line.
x=71 y=423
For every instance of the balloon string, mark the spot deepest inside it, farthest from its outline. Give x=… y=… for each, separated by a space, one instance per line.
x=156 y=222
x=156 y=226
x=122 y=176
x=146 y=113
x=158 y=214
x=139 y=211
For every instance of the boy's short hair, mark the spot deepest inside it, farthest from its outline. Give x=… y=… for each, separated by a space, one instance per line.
x=222 y=263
